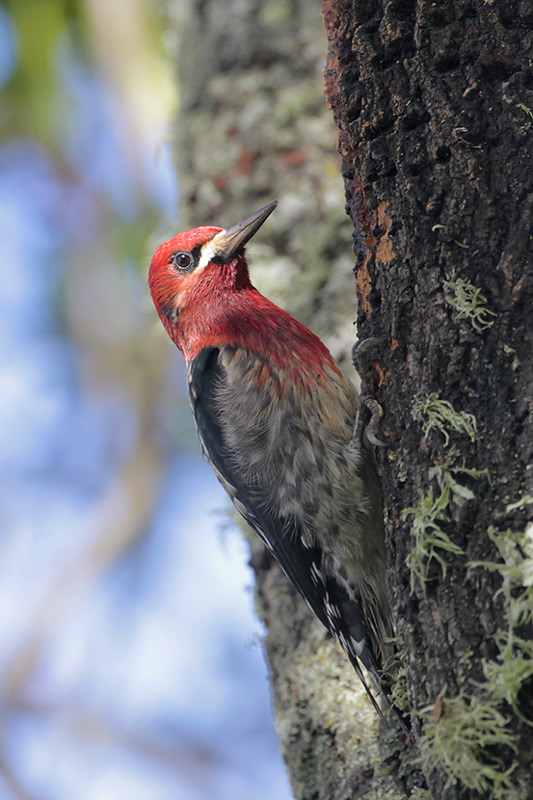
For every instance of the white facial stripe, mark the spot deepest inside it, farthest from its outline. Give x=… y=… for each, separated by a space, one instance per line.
x=209 y=251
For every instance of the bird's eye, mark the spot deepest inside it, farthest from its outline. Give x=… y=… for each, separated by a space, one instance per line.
x=182 y=261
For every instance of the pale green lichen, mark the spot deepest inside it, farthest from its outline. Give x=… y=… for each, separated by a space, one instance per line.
x=444 y=474
x=509 y=671
x=394 y=676
x=464 y=738
x=525 y=109
x=517 y=111
x=398 y=690
x=469 y=739
x=433 y=413
x=431 y=542
x=469 y=303
x=524 y=501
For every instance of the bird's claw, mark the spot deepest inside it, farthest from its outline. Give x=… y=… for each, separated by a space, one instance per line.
x=370 y=429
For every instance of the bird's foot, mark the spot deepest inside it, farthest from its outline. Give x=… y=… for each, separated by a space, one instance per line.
x=369 y=428
x=372 y=429
x=365 y=427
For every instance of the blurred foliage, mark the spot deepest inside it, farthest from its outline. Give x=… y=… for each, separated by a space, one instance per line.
x=31 y=91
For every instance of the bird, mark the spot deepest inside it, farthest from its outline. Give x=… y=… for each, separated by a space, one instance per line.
x=281 y=425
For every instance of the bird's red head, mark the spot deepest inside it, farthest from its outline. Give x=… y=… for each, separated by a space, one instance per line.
x=194 y=274
x=175 y=272
x=201 y=289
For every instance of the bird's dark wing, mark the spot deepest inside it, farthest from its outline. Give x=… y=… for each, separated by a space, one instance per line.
x=300 y=560
x=296 y=560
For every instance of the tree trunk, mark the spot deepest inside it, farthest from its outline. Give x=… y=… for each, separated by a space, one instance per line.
x=434 y=107
x=434 y=114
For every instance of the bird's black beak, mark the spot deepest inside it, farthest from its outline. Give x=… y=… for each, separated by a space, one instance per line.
x=227 y=244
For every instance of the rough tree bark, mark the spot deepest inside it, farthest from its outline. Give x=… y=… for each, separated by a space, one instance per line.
x=434 y=106
x=433 y=109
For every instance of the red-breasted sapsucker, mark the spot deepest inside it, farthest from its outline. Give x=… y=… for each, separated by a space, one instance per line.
x=276 y=418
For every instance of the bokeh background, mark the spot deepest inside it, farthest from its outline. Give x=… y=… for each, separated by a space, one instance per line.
x=130 y=656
